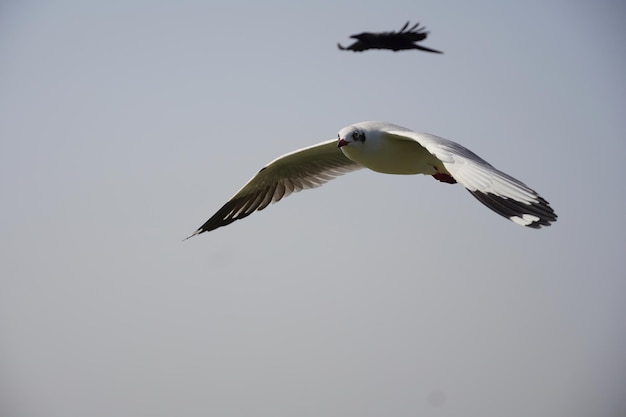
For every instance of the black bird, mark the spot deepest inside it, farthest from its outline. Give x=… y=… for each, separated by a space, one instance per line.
x=396 y=41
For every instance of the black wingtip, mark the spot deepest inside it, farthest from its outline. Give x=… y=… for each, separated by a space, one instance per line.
x=534 y=215
x=197 y=232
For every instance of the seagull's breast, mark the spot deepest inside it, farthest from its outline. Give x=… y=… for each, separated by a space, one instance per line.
x=394 y=157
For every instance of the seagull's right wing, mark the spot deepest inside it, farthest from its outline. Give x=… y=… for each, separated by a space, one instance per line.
x=500 y=192
x=302 y=169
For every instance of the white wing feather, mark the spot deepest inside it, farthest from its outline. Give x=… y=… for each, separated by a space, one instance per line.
x=500 y=192
x=298 y=170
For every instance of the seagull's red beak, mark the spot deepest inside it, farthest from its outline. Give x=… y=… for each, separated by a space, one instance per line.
x=342 y=142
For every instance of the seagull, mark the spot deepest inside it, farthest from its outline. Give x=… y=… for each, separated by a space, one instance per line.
x=388 y=149
x=395 y=41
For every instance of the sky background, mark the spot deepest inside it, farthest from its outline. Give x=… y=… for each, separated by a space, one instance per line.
x=124 y=125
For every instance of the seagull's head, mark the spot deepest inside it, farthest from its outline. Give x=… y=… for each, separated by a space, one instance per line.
x=364 y=143
x=351 y=135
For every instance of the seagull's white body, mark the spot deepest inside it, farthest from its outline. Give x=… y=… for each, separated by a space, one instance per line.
x=387 y=155
x=390 y=154
x=389 y=149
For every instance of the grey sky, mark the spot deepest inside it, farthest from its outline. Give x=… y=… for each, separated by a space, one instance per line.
x=125 y=124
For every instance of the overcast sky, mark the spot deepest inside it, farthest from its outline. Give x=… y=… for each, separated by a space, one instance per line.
x=124 y=125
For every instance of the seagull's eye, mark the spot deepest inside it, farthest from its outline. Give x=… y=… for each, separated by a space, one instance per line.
x=358 y=136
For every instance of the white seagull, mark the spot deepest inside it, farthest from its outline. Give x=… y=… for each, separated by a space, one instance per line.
x=389 y=149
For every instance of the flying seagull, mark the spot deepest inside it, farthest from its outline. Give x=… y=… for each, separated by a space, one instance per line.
x=396 y=41
x=389 y=149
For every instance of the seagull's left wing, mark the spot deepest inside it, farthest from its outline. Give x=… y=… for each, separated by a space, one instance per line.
x=500 y=192
x=299 y=170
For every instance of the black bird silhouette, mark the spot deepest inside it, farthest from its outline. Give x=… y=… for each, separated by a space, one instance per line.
x=395 y=41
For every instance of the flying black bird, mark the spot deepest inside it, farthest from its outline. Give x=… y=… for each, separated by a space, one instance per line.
x=396 y=41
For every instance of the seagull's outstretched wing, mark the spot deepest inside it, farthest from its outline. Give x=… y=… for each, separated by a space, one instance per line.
x=302 y=169
x=500 y=192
